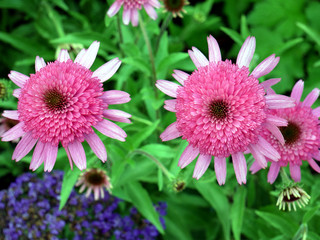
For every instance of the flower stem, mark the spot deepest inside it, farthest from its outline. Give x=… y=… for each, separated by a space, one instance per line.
x=169 y=175
x=285 y=179
x=56 y=21
x=164 y=26
x=120 y=34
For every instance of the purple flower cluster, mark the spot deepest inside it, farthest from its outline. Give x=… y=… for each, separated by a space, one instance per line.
x=29 y=209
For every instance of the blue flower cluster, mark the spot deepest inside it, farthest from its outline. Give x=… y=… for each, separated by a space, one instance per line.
x=29 y=209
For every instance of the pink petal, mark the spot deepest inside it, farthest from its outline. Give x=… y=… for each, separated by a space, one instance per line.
x=126 y=16
x=77 y=154
x=150 y=11
x=96 y=191
x=170 y=105
x=167 y=87
x=311 y=98
x=270 y=91
x=50 y=152
x=277 y=101
x=201 y=166
x=214 y=50
x=270 y=82
x=107 y=70
x=273 y=172
x=295 y=172
x=180 y=76
x=114 y=8
x=266 y=66
x=37 y=157
x=188 y=155
x=13 y=133
x=316 y=112
x=267 y=149
x=111 y=130
x=18 y=78
x=89 y=56
x=314 y=165
x=11 y=114
x=80 y=55
x=198 y=58
x=117 y=115
x=220 y=169
x=278 y=121
x=115 y=97
x=63 y=56
x=134 y=17
x=317 y=156
x=246 y=52
x=154 y=3
x=297 y=90
x=258 y=156
x=40 y=63
x=170 y=133
x=240 y=167
x=25 y=145
x=16 y=92
x=97 y=146
x=255 y=167
x=275 y=132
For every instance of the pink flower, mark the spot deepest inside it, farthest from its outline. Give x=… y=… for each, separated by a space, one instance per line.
x=221 y=110
x=302 y=135
x=61 y=103
x=131 y=7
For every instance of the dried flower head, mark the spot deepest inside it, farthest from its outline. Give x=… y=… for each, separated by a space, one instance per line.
x=175 y=6
x=291 y=196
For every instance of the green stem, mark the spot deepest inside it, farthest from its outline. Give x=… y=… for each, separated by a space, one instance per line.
x=285 y=179
x=120 y=34
x=56 y=22
x=164 y=26
x=169 y=175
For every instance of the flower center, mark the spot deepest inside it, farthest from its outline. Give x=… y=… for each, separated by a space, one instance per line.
x=174 y=5
x=291 y=133
x=292 y=198
x=54 y=100
x=94 y=178
x=218 y=109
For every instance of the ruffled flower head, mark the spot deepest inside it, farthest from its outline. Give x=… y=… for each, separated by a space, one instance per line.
x=62 y=103
x=302 y=135
x=221 y=110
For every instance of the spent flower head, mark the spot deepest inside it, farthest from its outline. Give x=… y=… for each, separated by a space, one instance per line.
x=221 y=110
x=62 y=103
x=175 y=7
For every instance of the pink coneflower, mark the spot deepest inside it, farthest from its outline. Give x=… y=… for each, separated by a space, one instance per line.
x=302 y=135
x=95 y=180
x=61 y=103
x=131 y=7
x=221 y=110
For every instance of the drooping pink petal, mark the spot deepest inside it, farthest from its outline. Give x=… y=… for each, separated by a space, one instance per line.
x=50 y=152
x=220 y=169
x=115 y=7
x=88 y=192
x=314 y=165
x=255 y=167
x=311 y=98
x=188 y=155
x=77 y=154
x=18 y=78
x=107 y=70
x=270 y=91
x=246 y=52
x=97 y=146
x=89 y=56
x=201 y=165
x=265 y=66
x=198 y=58
x=267 y=149
x=275 y=132
x=13 y=133
x=134 y=17
x=273 y=172
x=297 y=90
x=115 y=97
x=167 y=87
x=316 y=156
x=240 y=167
x=37 y=157
x=269 y=83
x=258 y=156
x=278 y=121
x=117 y=115
x=126 y=16
x=170 y=133
x=40 y=63
x=111 y=130
x=170 y=105
x=214 y=50
x=16 y=92
x=24 y=146
x=316 y=112
x=11 y=114
x=277 y=101
x=180 y=76
x=150 y=11
x=154 y=3
x=295 y=172
x=63 y=56
x=97 y=190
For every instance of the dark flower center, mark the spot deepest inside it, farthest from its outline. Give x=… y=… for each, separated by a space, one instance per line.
x=291 y=133
x=95 y=178
x=54 y=100
x=219 y=109
x=174 y=5
x=292 y=198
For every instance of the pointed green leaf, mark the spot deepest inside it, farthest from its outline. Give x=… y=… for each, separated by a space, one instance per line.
x=237 y=211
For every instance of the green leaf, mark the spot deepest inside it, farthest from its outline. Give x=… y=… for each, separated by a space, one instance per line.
x=237 y=211
x=171 y=60
x=289 y=45
x=233 y=35
x=142 y=201
x=312 y=33
x=244 y=27
x=212 y=193
x=139 y=63
x=160 y=180
x=301 y=233
x=308 y=215
x=70 y=178
x=159 y=150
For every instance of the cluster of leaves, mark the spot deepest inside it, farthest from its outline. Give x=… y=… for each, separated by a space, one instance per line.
x=202 y=210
